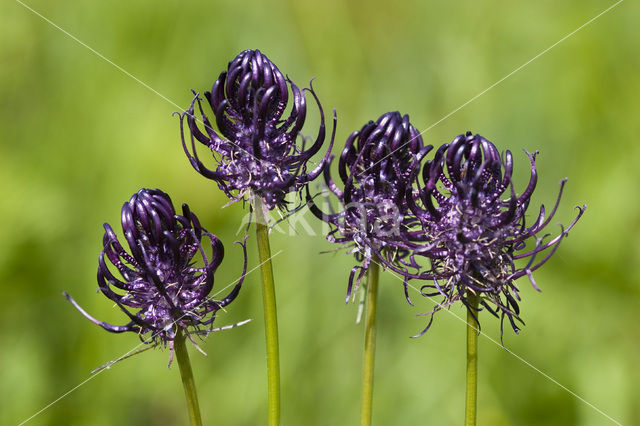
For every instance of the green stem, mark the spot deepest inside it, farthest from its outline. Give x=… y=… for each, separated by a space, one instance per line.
x=187 y=379
x=369 y=343
x=472 y=360
x=270 y=316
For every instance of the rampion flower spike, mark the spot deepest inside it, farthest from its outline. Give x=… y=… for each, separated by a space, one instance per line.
x=476 y=223
x=376 y=166
x=166 y=276
x=258 y=150
x=374 y=222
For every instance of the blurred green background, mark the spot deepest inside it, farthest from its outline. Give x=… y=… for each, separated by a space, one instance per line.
x=78 y=137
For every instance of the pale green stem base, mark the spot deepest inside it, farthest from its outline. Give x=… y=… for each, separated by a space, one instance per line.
x=187 y=379
x=369 y=344
x=471 y=397
x=270 y=316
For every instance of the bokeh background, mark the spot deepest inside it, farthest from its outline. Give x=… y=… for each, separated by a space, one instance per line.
x=78 y=137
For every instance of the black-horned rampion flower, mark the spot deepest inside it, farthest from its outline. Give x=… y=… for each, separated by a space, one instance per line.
x=476 y=225
x=376 y=167
x=258 y=149
x=166 y=277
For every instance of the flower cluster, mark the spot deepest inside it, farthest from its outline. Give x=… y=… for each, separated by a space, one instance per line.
x=166 y=276
x=376 y=168
x=258 y=150
x=458 y=225
x=476 y=236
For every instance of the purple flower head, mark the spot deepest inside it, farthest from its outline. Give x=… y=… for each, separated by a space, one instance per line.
x=376 y=167
x=257 y=149
x=477 y=227
x=165 y=277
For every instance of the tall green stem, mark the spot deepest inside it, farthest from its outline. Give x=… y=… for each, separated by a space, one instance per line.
x=369 y=343
x=270 y=316
x=187 y=379
x=472 y=360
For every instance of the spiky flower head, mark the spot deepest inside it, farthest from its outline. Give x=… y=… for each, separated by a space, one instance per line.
x=477 y=227
x=374 y=222
x=258 y=149
x=166 y=276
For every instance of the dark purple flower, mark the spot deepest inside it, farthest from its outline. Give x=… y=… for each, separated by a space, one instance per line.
x=475 y=235
x=376 y=167
x=166 y=276
x=257 y=149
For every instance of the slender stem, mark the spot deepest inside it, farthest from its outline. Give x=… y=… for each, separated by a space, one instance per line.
x=270 y=316
x=187 y=379
x=472 y=360
x=369 y=344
